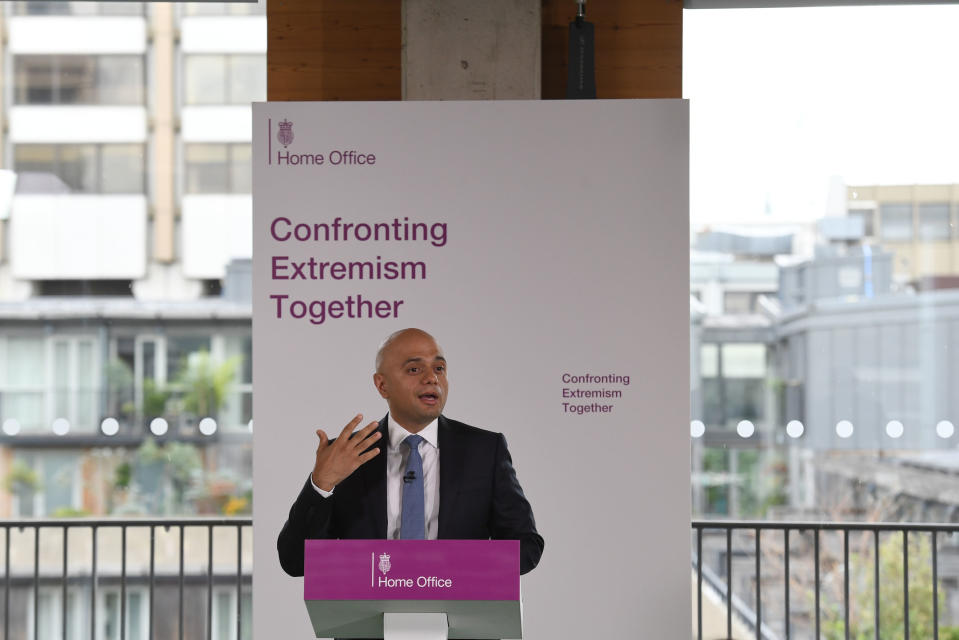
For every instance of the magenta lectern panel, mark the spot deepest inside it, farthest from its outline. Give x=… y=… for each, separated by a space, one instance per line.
x=411 y=570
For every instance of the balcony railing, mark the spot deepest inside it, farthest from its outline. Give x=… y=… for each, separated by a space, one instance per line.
x=162 y=557
x=775 y=579
x=877 y=566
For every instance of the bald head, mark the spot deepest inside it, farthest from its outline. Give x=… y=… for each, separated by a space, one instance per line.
x=411 y=377
x=395 y=337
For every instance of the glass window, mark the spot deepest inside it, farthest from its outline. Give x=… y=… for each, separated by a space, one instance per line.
x=934 y=223
x=738 y=302
x=23 y=483
x=218 y=168
x=120 y=80
x=895 y=220
x=743 y=386
x=24 y=361
x=79 y=79
x=179 y=351
x=224 y=8
x=241 y=168
x=711 y=392
x=224 y=79
x=137 y=621
x=207 y=168
x=48 y=614
x=59 y=479
x=75 y=391
x=744 y=360
x=715 y=467
x=122 y=168
x=225 y=614
x=712 y=402
x=247 y=76
x=733 y=382
x=868 y=223
x=41 y=8
x=61 y=379
x=23 y=393
x=743 y=399
x=36 y=166
x=204 y=79
x=77 y=166
x=246 y=616
x=45 y=483
x=109 y=616
x=49 y=611
x=238 y=407
x=80 y=168
x=36 y=80
x=709 y=360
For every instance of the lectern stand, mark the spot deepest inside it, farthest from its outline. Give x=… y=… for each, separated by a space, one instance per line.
x=413 y=589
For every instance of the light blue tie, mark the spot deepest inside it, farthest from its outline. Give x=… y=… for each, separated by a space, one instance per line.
x=413 y=521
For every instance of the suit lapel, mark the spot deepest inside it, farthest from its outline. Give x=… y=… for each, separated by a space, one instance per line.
x=374 y=483
x=452 y=457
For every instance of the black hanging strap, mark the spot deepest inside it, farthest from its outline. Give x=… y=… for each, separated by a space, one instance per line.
x=581 y=76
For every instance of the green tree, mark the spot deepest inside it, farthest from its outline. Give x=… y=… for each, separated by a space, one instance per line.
x=21 y=478
x=862 y=622
x=205 y=384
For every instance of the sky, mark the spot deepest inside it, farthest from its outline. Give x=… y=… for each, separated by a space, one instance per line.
x=781 y=100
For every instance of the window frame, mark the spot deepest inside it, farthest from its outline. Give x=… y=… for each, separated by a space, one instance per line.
x=231 y=166
x=226 y=62
x=98 y=154
x=56 y=62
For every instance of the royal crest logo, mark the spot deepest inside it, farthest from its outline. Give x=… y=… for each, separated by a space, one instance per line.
x=384 y=563
x=285 y=134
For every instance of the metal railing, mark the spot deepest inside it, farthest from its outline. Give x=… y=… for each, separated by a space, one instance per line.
x=94 y=570
x=29 y=567
x=895 y=532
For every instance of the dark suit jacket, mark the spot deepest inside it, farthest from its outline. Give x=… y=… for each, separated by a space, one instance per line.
x=480 y=499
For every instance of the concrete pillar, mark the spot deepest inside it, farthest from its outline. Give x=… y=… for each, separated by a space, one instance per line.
x=163 y=121
x=3 y=118
x=468 y=50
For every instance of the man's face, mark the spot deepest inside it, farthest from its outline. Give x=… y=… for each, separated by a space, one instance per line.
x=412 y=378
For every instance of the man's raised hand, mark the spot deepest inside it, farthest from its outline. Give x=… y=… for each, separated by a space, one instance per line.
x=336 y=460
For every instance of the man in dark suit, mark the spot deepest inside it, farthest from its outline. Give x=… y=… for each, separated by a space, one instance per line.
x=413 y=474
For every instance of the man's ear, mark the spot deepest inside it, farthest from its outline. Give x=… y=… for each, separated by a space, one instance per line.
x=379 y=381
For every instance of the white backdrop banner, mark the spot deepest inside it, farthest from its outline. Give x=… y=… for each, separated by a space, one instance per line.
x=545 y=246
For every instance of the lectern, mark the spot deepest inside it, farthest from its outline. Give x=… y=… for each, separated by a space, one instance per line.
x=413 y=589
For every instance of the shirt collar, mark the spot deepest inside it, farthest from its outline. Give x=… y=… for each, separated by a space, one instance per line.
x=398 y=433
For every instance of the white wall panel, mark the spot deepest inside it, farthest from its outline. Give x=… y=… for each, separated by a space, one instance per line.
x=69 y=34
x=235 y=34
x=78 y=237
x=48 y=124
x=215 y=229
x=216 y=124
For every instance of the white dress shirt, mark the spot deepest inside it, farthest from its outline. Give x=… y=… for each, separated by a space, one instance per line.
x=396 y=459
x=397 y=455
